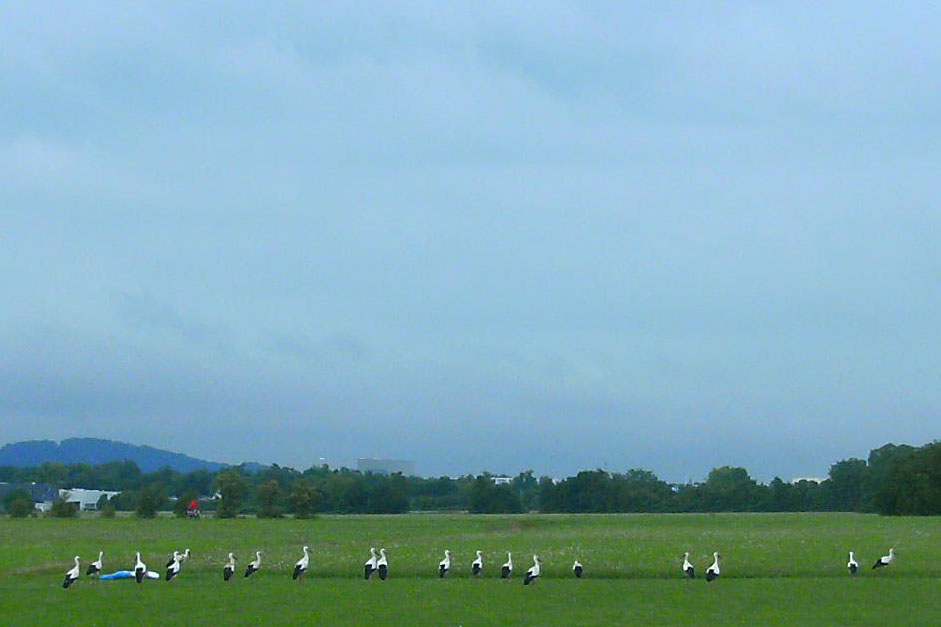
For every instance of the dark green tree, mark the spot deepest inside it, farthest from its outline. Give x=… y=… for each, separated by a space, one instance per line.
x=913 y=485
x=181 y=506
x=19 y=504
x=881 y=462
x=105 y=507
x=548 y=495
x=527 y=486
x=198 y=482
x=441 y=493
x=63 y=509
x=150 y=499
x=485 y=497
x=387 y=495
x=845 y=489
x=232 y=489
x=640 y=490
x=304 y=498
x=782 y=498
x=730 y=489
x=269 y=497
x=107 y=510
x=118 y=476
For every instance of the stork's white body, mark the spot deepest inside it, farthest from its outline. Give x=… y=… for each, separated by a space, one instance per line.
x=229 y=569
x=534 y=571
x=477 y=566
x=254 y=566
x=382 y=565
x=444 y=565
x=301 y=566
x=713 y=571
x=369 y=567
x=885 y=560
x=140 y=568
x=95 y=567
x=173 y=568
x=71 y=575
x=507 y=569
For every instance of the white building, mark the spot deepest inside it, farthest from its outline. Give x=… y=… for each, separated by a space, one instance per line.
x=87 y=500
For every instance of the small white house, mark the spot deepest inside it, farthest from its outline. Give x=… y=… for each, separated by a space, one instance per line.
x=87 y=500
x=502 y=480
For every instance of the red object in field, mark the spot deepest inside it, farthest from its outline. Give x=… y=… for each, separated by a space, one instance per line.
x=194 y=504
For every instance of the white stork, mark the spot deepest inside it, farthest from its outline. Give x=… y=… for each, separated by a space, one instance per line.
x=301 y=566
x=186 y=555
x=229 y=569
x=507 y=569
x=885 y=560
x=140 y=569
x=578 y=569
x=71 y=574
x=533 y=573
x=370 y=566
x=444 y=565
x=174 y=565
x=713 y=571
x=478 y=564
x=852 y=565
x=254 y=566
x=383 y=565
x=94 y=568
x=688 y=569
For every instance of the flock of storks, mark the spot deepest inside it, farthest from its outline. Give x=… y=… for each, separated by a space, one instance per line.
x=378 y=564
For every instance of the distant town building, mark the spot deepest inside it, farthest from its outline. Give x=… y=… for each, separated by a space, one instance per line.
x=502 y=480
x=385 y=466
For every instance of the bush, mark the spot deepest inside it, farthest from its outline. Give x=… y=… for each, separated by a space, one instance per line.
x=304 y=498
x=108 y=510
x=181 y=507
x=232 y=488
x=149 y=500
x=19 y=504
x=126 y=501
x=485 y=497
x=269 y=493
x=62 y=509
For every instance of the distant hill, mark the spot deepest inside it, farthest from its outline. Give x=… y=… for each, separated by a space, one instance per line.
x=95 y=451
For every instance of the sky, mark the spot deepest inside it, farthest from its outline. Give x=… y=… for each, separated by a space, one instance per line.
x=481 y=236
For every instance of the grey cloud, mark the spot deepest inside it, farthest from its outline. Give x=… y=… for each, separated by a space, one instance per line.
x=561 y=234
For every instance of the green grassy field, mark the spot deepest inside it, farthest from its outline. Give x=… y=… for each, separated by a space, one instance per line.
x=777 y=569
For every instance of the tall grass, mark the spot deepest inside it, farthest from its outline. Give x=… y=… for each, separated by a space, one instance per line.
x=777 y=569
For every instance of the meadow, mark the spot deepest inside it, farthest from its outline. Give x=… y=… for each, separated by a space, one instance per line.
x=778 y=569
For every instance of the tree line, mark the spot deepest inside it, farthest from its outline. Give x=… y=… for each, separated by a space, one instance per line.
x=894 y=480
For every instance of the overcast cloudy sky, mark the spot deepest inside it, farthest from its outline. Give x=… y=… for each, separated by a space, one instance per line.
x=481 y=236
